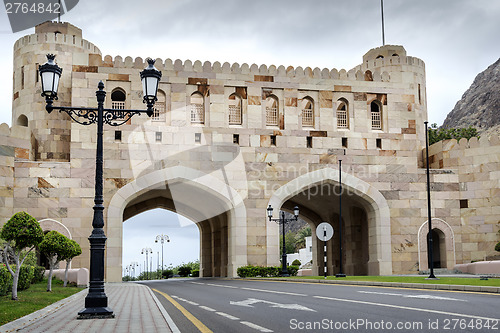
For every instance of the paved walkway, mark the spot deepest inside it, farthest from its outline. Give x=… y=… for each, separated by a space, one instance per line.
x=135 y=306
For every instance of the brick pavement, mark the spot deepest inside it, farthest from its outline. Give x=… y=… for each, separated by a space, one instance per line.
x=135 y=307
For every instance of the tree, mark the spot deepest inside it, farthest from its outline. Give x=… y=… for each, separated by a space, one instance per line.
x=55 y=247
x=21 y=231
x=437 y=134
x=72 y=250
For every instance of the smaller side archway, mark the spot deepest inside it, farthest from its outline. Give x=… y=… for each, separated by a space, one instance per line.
x=443 y=245
x=50 y=225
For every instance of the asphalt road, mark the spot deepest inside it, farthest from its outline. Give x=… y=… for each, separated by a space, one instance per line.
x=216 y=305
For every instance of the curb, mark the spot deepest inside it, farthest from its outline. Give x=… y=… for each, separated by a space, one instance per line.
x=482 y=289
x=164 y=313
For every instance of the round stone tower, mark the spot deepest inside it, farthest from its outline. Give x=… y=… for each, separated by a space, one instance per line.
x=51 y=134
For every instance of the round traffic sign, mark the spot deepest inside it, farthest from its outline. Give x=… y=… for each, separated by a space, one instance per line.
x=324 y=231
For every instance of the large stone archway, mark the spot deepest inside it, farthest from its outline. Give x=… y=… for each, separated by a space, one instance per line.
x=200 y=197
x=368 y=197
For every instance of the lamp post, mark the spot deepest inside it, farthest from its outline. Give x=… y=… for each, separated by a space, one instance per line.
x=96 y=302
x=340 y=273
x=282 y=220
x=134 y=264
x=147 y=251
x=162 y=238
x=430 y=246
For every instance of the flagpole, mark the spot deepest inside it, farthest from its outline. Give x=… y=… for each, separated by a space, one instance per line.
x=383 y=30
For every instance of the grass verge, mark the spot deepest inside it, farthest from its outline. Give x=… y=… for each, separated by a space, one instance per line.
x=491 y=282
x=33 y=299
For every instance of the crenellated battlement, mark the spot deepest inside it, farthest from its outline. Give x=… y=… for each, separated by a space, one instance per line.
x=356 y=74
x=453 y=154
x=49 y=37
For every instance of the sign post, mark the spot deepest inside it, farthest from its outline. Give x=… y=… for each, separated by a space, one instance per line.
x=324 y=231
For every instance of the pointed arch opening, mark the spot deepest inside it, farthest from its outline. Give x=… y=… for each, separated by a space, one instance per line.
x=365 y=220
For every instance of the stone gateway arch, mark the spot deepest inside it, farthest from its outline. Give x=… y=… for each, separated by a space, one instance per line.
x=226 y=140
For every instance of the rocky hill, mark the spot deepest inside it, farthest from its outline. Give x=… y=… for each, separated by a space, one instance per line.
x=480 y=104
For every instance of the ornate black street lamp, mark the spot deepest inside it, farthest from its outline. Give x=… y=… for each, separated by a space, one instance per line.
x=282 y=220
x=96 y=302
x=162 y=238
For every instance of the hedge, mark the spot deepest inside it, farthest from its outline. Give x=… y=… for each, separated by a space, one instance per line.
x=273 y=271
x=5 y=280
x=27 y=276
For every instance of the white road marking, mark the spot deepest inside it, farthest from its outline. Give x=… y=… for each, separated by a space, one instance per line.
x=197 y=283
x=221 y=285
x=415 y=296
x=256 y=327
x=405 y=308
x=227 y=316
x=274 y=292
x=191 y=302
x=250 y=301
x=207 y=308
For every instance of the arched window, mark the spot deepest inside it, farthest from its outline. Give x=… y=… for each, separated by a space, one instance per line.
x=376 y=112
x=118 y=99
x=272 y=111
x=342 y=113
x=307 y=111
x=22 y=120
x=235 y=110
x=159 y=107
x=197 y=108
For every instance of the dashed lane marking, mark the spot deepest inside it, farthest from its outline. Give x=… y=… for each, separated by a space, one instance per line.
x=405 y=308
x=434 y=297
x=256 y=327
x=207 y=308
x=273 y=291
x=228 y=316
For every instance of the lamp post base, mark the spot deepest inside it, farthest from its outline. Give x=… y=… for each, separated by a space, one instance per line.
x=96 y=313
x=340 y=275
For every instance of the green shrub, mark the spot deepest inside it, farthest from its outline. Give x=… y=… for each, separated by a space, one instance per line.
x=292 y=270
x=26 y=275
x=5 y=280
x=253 y=271
x=296 y=262
x=184 y=270
x=195 y=273
x=497 y=247
x=38 y=273
x=167 y=273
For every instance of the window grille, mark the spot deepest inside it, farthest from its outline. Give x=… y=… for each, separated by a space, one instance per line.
x=271 y=116
x=376 y=120
x=234 y=115
x=197 y=113
x=341 y=118
x=158 y=112
x=307 y=117
x=118 y=105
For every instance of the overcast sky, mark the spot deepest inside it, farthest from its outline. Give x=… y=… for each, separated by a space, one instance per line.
x=456 y=39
